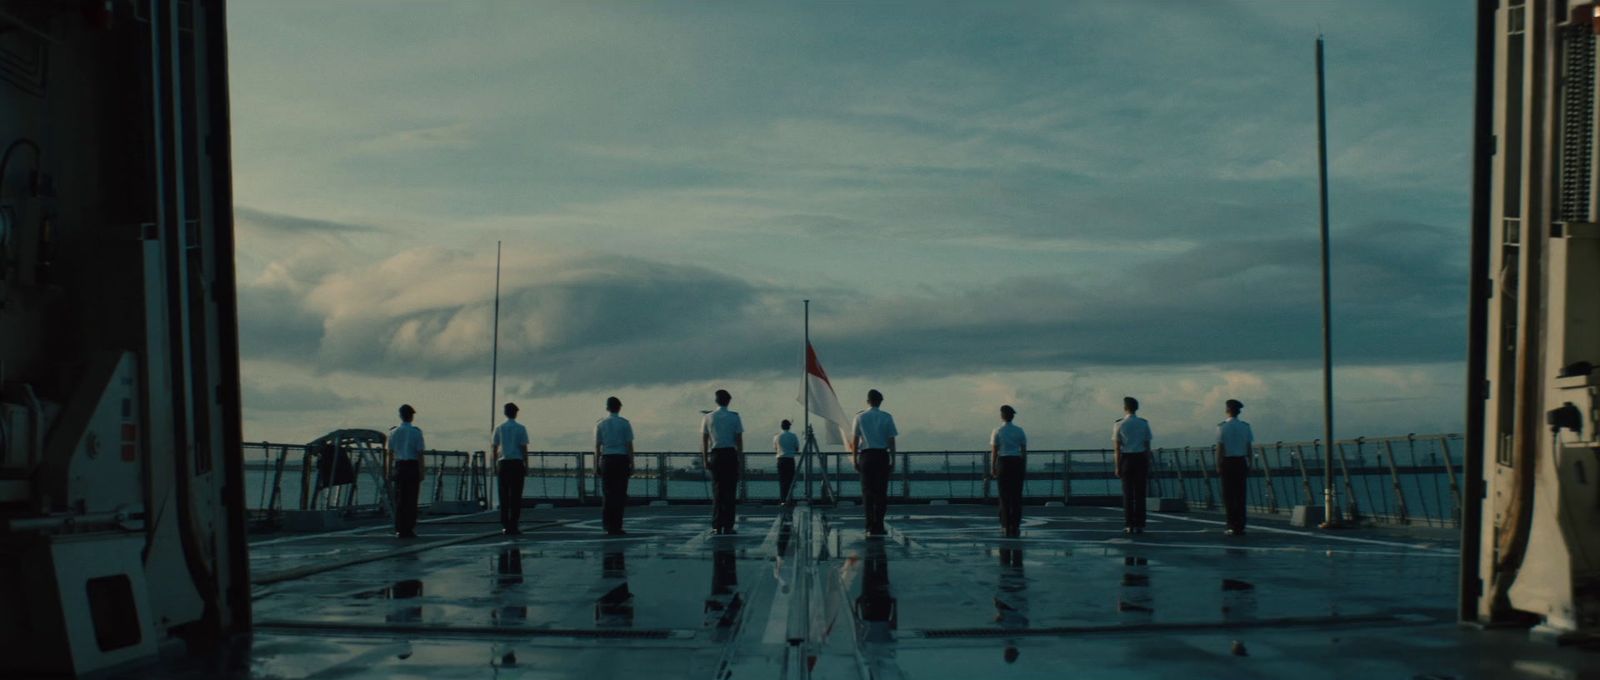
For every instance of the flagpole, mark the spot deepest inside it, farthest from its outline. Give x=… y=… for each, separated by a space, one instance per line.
x=805 y=383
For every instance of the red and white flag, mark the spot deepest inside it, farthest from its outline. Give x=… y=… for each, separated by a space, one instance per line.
x=824 y=402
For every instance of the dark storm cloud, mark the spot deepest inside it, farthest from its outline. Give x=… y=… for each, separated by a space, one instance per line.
x=274 y=323
x=1398 y=298
x=593 y=322
x=298 y=399
x=566 y=323
x=250 y=218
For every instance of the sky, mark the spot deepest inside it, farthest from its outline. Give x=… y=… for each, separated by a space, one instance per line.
x=1050 y=205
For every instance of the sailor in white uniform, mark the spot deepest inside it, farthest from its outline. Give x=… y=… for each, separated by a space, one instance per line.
x=1234 y=443
x=511 y=471
x=872 y=452
x=405 y=447
x=1130 y=440
x=613 y=453
x=785 y=446
x=1008 y=450
x=721 y=447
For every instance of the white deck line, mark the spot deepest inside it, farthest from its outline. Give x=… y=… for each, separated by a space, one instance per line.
x=1307 y=534
x=783 y=574
x=378 y=529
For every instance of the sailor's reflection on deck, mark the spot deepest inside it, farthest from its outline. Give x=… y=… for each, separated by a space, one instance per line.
x=508 y=567
x=614 y=564
x=785 y=532
x=614 y=607
x=724 y=572
x=507 y=574
x=722 y=605
x=876 y=607
x=1238 y=600
x=1135 y=598
x=1011 y=598
x=408 y=589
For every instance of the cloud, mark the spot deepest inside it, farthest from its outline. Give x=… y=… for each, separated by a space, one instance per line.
x=451 y=136
x=576 y=321
x=274 y=323
x=282 y=398
x=1041 y=122
x=568 y=321
x=965 y=189
x=247 y=219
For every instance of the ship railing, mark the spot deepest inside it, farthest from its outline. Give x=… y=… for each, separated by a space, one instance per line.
x=1409 y=479
x=1399 y=480
x=281 y=478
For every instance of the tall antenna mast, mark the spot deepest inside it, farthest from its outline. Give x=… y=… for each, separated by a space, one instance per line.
x=1330 y=516
x=805 y=386
x=494 y=361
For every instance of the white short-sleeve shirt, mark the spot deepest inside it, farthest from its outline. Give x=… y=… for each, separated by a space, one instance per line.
x=786 y=444
x=1132 y=433
x=613 y=434
x=512 y=438
x=874 y=428
x=1009 y=439
x=722 y=425
x=1235 y=437
x=406 y=442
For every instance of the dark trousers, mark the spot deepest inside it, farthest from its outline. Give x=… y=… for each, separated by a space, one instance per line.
x=1012 y=472
x=1234 y=470
x=408 y=485
x=614 y=471
x=510 y=477
x=1135 y=484
x=874 y=488
x=785 y=477
x=724 y=487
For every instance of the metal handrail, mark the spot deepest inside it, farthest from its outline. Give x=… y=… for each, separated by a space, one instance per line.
x=284 y=487
x=1064 y=475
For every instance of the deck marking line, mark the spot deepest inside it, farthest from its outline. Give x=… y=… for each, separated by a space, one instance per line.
x=301 y=572
x=778 y=616
x=1407 y=619
x=1307 y=534
x=376 y=530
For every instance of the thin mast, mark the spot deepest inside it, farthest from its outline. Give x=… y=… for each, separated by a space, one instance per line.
x=805 y=386
x=1329 y=496
x=494 y=361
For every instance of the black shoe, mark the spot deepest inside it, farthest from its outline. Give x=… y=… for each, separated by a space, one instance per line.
x=511 y=532
x=1127 y=530
x=616 y=532
x=405 y=534
x=1138 y=530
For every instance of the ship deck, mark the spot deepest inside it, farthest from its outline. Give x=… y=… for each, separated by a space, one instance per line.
x=806 y=594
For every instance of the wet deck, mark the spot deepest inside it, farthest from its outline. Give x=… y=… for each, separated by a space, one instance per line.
x=942 y=597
